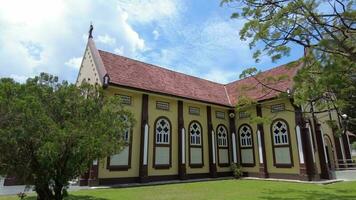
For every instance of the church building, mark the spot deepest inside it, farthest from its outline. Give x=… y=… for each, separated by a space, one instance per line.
x=189 y=128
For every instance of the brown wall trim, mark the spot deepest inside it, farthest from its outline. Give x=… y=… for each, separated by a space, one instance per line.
x=286 y=176
x=212 y=166
x=252 y=147
x=201 y=146
x=181 y=167
x=336 y=143
x=162 y=166
x=198 y=175
x=114 y=181
x=232 y=129
x=224 y=174
x=278 y=165
x=325 y=172
x=93 y=179
x=306 y=169
x=170 y=95
x=144 y=120
x=263 y=167
x=218 y=147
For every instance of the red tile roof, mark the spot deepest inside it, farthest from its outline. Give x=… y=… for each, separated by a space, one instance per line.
x=251 y=88
x=136 y=74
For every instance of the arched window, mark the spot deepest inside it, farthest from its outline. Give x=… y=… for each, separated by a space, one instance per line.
x=126 y=133
x=282 y=148
x=195 y=133
x=247 y=154
x=196 y=159
x=122 y=160
x=223 y=146
x=163 y=130
x=245 y=136
x=222 y=136
x=280 y=132
x=162 y=146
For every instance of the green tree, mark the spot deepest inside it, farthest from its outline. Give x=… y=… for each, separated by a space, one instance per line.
x=50 y=132
x=324 y=28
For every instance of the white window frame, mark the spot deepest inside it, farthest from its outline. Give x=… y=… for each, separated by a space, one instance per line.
x=163 y=137
x=280 y=138
x=222 y=141
x=245 y=141
x=194 y=137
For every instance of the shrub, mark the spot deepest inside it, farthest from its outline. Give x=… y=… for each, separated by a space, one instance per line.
x=236 y=170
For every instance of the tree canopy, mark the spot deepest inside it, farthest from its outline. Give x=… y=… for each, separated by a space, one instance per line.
x=51 y=132
x=326 y=30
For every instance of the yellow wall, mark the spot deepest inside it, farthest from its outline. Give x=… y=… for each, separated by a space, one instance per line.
x=216 y=122
x=239 y=121
x=202 y=119
x=172 y=115
x=135 y=108
x=290 y=118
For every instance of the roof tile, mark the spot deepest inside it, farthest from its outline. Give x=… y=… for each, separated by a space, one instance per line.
x=136 y=74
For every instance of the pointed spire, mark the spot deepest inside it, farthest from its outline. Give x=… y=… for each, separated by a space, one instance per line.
x=91 y=30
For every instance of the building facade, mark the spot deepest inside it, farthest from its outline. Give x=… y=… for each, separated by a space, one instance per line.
x=188 y=127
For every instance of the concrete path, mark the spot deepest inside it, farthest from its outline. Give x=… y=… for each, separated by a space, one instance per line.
x=322 y=182
x=13 y=190
x=346 y=175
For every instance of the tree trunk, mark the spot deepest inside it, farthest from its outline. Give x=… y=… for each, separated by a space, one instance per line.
x=58 y=191
x=43 y=192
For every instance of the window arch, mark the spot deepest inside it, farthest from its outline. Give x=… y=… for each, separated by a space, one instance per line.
x=196 y=154
x=247 y=151
x=162 y=143
x=122 y=160
x=126 y=134
x=281 y=145
x=195 y=132
x=223 y=146
x=162 y=131
x=280 y=132
x=245 y=133
x=222 y=136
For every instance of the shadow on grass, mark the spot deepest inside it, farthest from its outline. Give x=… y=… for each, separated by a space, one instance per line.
x=328 y=194
x=73 y=197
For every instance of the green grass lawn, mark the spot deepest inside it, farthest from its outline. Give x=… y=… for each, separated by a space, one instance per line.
x=218 y=190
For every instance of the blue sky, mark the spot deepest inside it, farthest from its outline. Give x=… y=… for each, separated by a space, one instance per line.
x=194 y=37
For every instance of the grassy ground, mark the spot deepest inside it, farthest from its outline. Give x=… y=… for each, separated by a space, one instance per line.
x=218 y=190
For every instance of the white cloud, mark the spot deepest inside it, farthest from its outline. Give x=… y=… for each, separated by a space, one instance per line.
x=74 y=62
x=131 y=39
x=119 y=50
x=18 y=78
x=221 y=76
x=155 y=34
x=106 y=39
x=150 y=10
x=41 y=36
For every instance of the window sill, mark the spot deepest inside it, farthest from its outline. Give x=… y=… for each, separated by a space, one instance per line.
x=196 y=165
x=162 y=166
x=283 y=165
x=118 y=167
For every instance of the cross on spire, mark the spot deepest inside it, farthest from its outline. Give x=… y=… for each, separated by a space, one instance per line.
x=91 y=30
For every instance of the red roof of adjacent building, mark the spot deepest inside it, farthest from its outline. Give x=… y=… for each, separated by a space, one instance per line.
x=139 y=75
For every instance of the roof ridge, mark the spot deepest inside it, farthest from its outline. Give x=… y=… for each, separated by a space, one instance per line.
x=263 y=72
x=157 y=66
x=227 y=94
